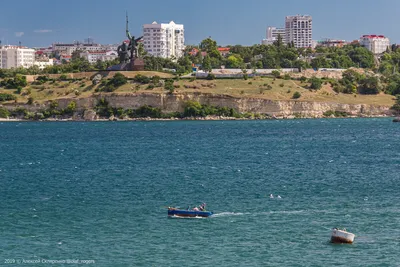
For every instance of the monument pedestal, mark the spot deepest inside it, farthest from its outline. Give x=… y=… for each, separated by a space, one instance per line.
x=137 y=64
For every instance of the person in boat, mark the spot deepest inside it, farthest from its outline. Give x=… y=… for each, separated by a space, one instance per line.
x=195 y=209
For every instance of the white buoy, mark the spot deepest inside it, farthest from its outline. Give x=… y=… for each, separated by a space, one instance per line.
x=279 y=196
x=271 y=196
x=341 y=236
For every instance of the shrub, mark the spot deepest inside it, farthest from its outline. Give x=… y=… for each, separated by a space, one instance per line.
x=210 y=76
x=4 y=113
x=250 y=83
x=286 y=77
x=63 y=77
x=296 y=95
x=142 y=79
x=303 y=78
x=6 y=97
x=69 y=110
x=150 y=87
x=281 y=84
x=155 y=79
x=30 y=100
x=335 y=113
x=147 y=111
x=169 y=85
x=42 y=79
x=118 y=80
x=316 y=83
x=276 y=73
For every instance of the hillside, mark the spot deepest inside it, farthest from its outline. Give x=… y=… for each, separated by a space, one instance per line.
x=265 y=95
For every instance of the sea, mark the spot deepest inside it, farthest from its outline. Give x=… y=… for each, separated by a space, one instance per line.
x=96 y=193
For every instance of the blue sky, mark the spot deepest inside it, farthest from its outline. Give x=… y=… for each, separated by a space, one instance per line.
x=42 y=22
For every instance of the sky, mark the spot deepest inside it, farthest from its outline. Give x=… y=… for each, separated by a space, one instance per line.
x=40 y=23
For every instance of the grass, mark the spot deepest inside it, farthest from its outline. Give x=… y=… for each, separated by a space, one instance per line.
x=265 y=88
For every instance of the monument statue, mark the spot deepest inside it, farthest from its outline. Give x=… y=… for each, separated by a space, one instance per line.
x=128 y=53
x=123 y=53
x=130 y=48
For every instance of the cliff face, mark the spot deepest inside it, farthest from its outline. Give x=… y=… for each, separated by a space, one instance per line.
x=175 y=102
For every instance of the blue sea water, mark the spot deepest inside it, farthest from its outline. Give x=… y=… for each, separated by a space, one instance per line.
x=99 y=191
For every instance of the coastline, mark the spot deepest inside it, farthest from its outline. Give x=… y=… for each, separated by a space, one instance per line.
x=207 y=118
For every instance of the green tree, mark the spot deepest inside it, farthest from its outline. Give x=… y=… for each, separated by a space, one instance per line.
x=208 y=45
x=315 y=83
x=118 y=80
x=369 y=85
x=234 y=61
x=4 y=113
x=276 y=73
x=20 y=80
x=70 y=109
x=186 y=63
x=141 y=51
x=206 y=66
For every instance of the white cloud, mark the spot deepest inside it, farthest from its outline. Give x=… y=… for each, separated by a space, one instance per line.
x=42 y=31
x=19 y=34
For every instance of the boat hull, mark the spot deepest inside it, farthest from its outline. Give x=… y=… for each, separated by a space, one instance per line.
x=340 y=236
x=188 y=213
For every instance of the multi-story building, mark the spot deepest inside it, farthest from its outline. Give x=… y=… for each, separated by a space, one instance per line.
x=93 y=57
x=331 y=43
x=12 y=56
x=68 y=49
x=298 y=29
x=164 y=40
x=377 y=44
x=272 y=35
x=43 y=62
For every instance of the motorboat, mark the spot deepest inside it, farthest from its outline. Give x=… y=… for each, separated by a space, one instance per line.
x=341 y=236
x=196 y=212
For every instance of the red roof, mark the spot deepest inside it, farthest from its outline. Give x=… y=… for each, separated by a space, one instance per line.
x=373 y=36
x=224 y=49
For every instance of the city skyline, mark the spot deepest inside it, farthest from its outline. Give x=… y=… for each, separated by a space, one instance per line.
x=49 y=22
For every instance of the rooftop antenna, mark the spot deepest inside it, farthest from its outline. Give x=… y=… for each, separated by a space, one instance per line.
x=19 y=43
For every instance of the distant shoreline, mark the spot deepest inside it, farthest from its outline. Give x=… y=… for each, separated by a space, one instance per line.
x=209 y=118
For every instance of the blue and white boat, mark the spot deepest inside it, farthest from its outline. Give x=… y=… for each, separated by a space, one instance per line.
x=189 y=213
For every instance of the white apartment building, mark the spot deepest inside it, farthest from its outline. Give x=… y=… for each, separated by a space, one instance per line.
x=12 y=56
x=68 y=49
x=272 y=35
x=93 y=57
x=42 y=63
x=377 y=44
x=298 y=29
x=164 y=40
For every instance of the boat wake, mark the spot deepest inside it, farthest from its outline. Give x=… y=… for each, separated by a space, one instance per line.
x=182 y=217
x=229 y=214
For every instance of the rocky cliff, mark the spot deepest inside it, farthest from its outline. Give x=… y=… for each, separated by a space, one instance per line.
x=175 y=102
